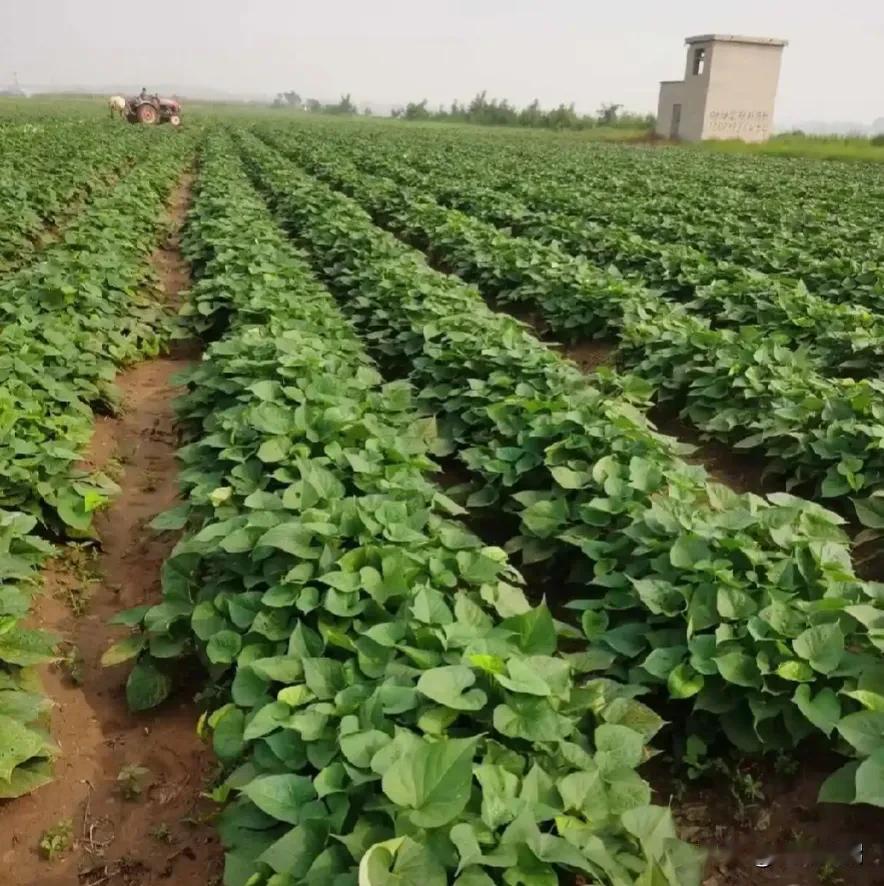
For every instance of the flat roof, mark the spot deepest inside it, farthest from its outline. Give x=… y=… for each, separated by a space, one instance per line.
x=736 y=38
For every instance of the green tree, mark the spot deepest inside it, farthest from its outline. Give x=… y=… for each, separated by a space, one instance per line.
x=345 y=106
x=289 y=99
x=608 y=114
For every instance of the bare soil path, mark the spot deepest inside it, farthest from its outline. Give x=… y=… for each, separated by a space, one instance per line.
x=159 y=836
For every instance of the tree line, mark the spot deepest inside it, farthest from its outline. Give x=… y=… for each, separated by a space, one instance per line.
x=485 y=111
x=500 y=112
x=293 y=100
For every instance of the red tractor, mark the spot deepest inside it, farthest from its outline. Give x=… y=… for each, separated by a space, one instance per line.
x=150 y=109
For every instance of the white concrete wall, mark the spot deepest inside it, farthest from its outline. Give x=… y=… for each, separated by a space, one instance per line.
x=742 y=91
x=733 y=97
x=671 y=94
x=694 y=94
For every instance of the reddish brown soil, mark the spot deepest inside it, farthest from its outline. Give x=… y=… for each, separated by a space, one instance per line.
x=743 y=473
x=524 y=312
x=784 y=837
x=589 y=355
x=162 y=836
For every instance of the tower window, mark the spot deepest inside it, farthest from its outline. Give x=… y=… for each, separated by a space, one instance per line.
x=699 y=61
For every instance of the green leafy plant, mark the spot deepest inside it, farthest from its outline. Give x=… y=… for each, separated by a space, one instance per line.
x=745 y=354
x=57 y=840
x=132 y=780
x=786 y=764
x=26 y=751
x=69 y=322
x=71 y=661
x=585 y=474
x=829 y=873
x=46 y=178
x=698 y=762
x=381 y=674
x=78 y=573
x=162 y=833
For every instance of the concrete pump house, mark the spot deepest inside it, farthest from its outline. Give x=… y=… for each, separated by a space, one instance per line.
x=728 y=91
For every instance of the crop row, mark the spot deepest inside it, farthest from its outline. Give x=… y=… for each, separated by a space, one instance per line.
x=68 y=323
x=26 y=749
x=686 y=263
x=847 y=336
x=818 y=234
x=747 y=386
x=837 y=257
x=384 y=696
x=747 y=606
x=602 y=177
x=749 y=186
x=46 y=173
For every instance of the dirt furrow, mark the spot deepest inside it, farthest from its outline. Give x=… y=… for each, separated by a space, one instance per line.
x=128 y=786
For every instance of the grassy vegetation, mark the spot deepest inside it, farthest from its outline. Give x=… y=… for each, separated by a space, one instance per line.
x=616 y=134
x=592 y=133
x=811 y=146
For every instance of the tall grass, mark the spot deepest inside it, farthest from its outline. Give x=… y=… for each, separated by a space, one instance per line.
x=820 y=147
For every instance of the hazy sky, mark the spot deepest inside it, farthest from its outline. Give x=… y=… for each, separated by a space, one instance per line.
x=390 y=51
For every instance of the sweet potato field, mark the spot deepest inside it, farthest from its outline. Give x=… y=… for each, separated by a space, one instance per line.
x=529 y=498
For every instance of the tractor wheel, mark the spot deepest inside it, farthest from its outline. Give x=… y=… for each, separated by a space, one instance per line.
x=147 y=114
x=175 y=120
